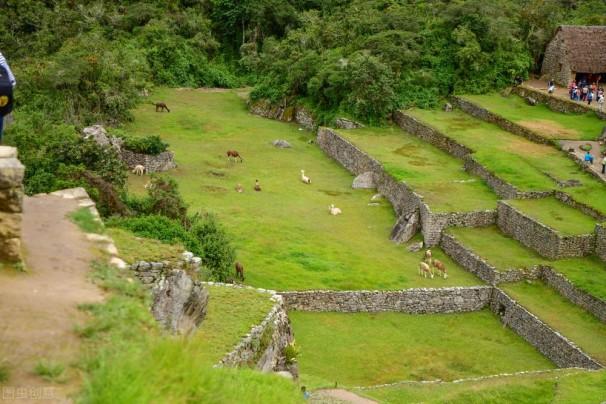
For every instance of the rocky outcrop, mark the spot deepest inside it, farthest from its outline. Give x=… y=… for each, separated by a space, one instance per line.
x=152 y=162
x=344 y=123
x=406 y=227
x=281 y=144
x=284 y=111
x=601 y=241
x=179 y=303
x=11 y=204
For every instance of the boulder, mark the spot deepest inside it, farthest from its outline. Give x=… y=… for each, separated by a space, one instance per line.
x=344 y=123
x=364 y=181
x=531 y=101
x=179 y=303
x=10 y=250
x=405 y=228
x=415 y=247
x=11 y=173
x=447 y=107
x=11 y=200
x=96 y=133
x=281 y=144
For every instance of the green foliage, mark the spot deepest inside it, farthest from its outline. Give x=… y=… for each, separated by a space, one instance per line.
x=5 y=372
x=49 y=370
x=291 y=353
x=86 y=221
x=150 y=144
x=162 y=198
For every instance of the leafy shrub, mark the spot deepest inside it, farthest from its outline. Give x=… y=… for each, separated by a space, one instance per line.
x=151 y=144
x=291 y=353
x=163 y=198
x=586 y=147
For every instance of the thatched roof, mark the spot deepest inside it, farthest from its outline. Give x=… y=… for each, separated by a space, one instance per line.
x=586 y=47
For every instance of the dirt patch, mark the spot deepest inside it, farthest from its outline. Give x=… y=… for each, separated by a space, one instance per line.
x=335 y=396
x=550 y=129
x=521 y=146
x=39 y=309
x=333 y=193
x=213 y=189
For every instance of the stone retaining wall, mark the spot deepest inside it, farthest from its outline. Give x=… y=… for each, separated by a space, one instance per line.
x=403 y=199
x=263 y=347
x=11 y=204
x=564 y=287
x=586 y=209
x=505 y=124
x=549 y=342
x=480 y=267
x=543 y=239
x=600 y=249
x=284 y=112
x=555 y=103
x=500 y=187
x=430 y=135
x=153 y=163
x=412 y=301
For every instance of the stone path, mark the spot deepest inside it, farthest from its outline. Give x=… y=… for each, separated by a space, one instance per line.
x=338 y=396
x=560 y=92
x=580 y=154
x=38 y=309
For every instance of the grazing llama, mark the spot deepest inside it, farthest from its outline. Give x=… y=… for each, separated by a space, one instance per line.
x=439 y=265
x=334 y=210
x=305 y=178
x=139 y=170
x=427 y=257
x=425 y=270
x=160 y=106
x=257 y=186
x=233 y=154
x=239 y=271
x=239 y=188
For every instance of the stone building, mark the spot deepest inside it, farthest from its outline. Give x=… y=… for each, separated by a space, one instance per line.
x=576 y=52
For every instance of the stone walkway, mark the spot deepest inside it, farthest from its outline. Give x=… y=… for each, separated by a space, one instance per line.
x=39 y=308
x=560 y=92
x=580 y=154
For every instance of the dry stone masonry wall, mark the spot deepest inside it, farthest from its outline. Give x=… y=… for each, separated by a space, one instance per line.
x=153 y=163
x=544 y=240
x=284 y=112
x=485 y=115
x=11 y=204
x=601 y=241
x=263 y=347
x=555 y=103
x=412 y=301
x=570 y=201
x=549 y=342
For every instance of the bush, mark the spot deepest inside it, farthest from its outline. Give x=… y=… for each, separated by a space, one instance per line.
x=151 y=144
x=163 y=198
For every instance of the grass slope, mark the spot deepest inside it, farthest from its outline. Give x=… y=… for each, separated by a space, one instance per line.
x=432 y=173
x=576 y=324
x=557 y=215
x=285 y=237
x=547 y=123
x=515 y=159
x=571 y=387
x=370 y=349
x=129 y=360
x=505 y=253
x=133 y=248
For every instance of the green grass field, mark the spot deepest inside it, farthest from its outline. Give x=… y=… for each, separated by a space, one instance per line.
x=133 y=248
x=432 y=173
x=370 y=349
x=129 y=360
x=547 y=123
x=557 y=215
x=285 y=237
x=552 y=388
x=576 y=324
x=515 y=159
x=505 y=253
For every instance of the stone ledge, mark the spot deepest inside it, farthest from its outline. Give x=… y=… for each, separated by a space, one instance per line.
x=555 y=103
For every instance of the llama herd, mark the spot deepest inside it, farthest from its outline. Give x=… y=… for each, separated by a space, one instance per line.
x=429 y=263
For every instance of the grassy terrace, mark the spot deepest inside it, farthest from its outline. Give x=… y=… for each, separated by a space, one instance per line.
x=557 y=215
x=514 y=158
x=432 y=173
x=370 y=349
x=505 y=253
x=561 y=387
x=576 y=324
x=542 y=120
x=133 y=248
x=285 y=237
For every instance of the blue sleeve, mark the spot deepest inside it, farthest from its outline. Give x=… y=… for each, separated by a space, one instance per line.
x=4 y=64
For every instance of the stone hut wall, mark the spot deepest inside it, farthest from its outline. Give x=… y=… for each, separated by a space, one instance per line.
x=153 y=163
x=555 y=63
x=555 y=103
x=600 y=249
x=549 y=342
x=263 y=347
x=11 y=204
x=505 y=124
x=412 y=301
x=543 y=239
